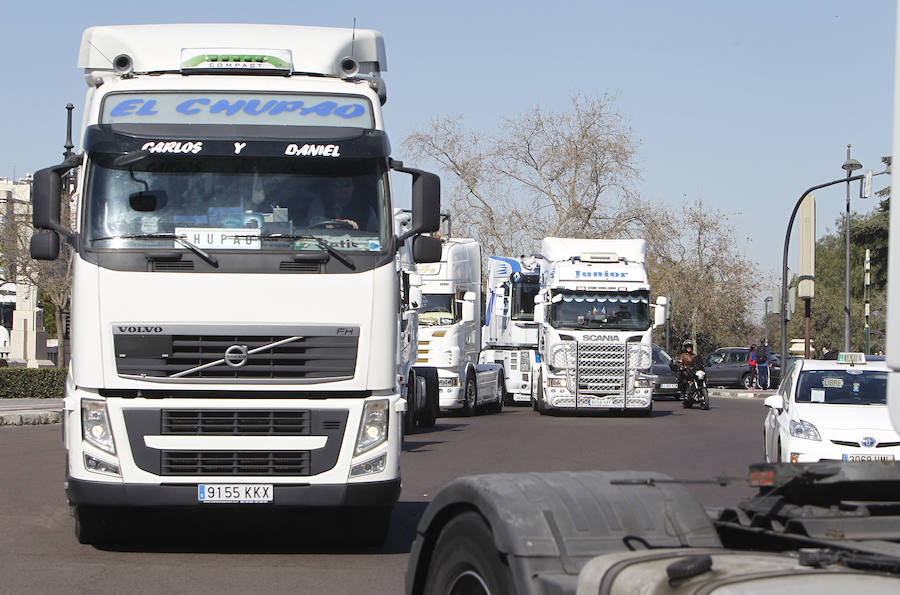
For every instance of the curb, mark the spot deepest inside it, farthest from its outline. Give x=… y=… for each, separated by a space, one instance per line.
x=34 y=417
x=741 y=394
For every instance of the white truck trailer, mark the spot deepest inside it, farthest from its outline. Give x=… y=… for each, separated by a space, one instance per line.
x=510 y=334
x=450 y=329
x=595 y=321
x=236 y=296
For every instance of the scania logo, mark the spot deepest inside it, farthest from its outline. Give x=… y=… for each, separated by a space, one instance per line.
x=236 y=356
x=612 y=338
x=868 y=442
x=142 y=330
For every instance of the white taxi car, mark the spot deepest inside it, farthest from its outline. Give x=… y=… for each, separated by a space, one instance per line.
x=831 y=410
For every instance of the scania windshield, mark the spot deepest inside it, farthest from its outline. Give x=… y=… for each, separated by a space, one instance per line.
x=596 y=310
x=228 y=203
x=438 y=309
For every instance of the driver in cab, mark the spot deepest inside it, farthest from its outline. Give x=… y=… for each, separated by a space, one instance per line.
x=341 y=208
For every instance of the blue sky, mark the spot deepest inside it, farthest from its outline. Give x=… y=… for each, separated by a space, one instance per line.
x=745 y=104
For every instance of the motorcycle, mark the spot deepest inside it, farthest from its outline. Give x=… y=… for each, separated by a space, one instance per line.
x=696 y=391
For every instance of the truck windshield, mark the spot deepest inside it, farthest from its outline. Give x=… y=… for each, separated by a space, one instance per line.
x=225 y=203
x=437 y=309
x=843 y=387
x=607 y=310
x=523 y=300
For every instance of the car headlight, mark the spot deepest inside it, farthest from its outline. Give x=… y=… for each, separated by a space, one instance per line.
x=524 y=362
x=95 y=426
x=805 y=430
x=448 y=381
x=373 y=428
x=700 y=374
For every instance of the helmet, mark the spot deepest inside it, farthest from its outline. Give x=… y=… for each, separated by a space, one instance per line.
x=687 y=343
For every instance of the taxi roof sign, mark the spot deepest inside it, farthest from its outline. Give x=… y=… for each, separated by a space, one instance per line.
x=851 y=357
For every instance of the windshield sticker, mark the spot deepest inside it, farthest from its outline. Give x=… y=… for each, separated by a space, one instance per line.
x=854 y=372
x=237 y=108
x=313 y=150
x=833 y=382
x=173 y=147
x=345 y=242
x=817 y=395
x=222 y=238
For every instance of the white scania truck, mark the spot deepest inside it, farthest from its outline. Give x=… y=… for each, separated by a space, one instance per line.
x=450 y=329
x=510 y=334
x=595 y=329
x=236 y=294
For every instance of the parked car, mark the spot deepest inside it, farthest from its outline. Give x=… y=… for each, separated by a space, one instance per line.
x=727 y=366
x=829 y=410
x=666 y=382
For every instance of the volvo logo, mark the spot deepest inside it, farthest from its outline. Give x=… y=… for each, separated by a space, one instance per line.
x=140 y=329
x=868 y=442
x=236 y=356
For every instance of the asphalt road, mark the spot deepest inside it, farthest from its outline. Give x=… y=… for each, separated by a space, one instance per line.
x=263 y=554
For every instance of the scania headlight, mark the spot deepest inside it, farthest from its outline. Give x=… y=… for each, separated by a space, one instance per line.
x=373 y=428
x=95 y=425
x=643 y=382
x=804 y=429
x=448 y=381
x=700 y=374
x=556 y=382
x=524 y=362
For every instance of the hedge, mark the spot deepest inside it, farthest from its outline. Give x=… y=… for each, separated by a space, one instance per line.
x=32 y=383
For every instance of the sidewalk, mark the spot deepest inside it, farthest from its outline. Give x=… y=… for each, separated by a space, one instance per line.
x=30 y=412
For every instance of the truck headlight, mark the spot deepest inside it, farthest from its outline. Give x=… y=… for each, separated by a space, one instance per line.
x=643 y=382
x=448 y=381
x=373 y=428
x=95 y=426
x=556 y=382
x=524 y=362
x=804 y=429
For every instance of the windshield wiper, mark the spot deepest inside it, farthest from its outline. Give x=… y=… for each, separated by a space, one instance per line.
x=209 y=258
x=343 y=259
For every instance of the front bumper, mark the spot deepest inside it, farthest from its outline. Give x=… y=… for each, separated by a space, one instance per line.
x=451 y=397
x=383 y=493
x=806 y=451
x=557 y=398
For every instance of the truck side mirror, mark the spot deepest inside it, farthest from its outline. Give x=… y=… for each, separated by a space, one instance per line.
x=46 y=195
x=44 y=245
x=659 y=312
x=415 y=296
x=468 y=306
x=426 y=249
x=426 y=200
x=540 y=313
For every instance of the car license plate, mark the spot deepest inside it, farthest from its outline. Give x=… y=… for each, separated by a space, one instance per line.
x=668 y=386
x=253 y=493
x=868 y=458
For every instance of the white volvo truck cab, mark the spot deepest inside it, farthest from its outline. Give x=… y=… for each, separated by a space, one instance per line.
x=450 y=329
x=596 y=323
x=510 y=334
x=236 y=302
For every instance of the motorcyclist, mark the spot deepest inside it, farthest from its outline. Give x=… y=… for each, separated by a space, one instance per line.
x=685 y=364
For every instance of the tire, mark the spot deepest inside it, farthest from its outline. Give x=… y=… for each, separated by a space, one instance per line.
x=507 y=396
x=366 y=525
x=409 y=416
x=497 y=405
x=648 y=411
x=745 y=381
x=704 y=399
x=778 y=452
x=94 y=525
x=688 y=400
x=470 y=396
x=429 y=414
x=539 y=399
x=466 y=562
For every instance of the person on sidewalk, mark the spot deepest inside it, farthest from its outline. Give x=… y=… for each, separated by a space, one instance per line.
x=763 y=359
x=751 y=361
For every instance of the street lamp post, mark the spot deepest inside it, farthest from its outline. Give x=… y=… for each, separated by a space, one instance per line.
x=766 y=318
x=849 y=166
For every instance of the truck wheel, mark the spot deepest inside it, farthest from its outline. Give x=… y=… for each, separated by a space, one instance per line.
x=507 y=396
x=470 y=396
x=93 y=525
x=496 y=406
x=466 y=562
x=409 y=416
x=539 y=399
x=432 y=407
x=366 y=525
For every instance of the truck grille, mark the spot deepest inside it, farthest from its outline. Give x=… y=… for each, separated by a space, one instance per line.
x=235 y=463
x=270 y=357
x=601 y=367
x=225 y=423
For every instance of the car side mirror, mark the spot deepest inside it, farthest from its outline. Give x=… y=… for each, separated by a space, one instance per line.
x=775 y=402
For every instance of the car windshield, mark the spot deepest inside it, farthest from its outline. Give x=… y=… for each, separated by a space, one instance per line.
x=610 y=310
x=661 y=357
x=223 y=203
x=852 y=386
x=437 y=309
x=523 y=300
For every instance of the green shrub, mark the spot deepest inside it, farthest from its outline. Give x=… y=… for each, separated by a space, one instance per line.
x=32 y=383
